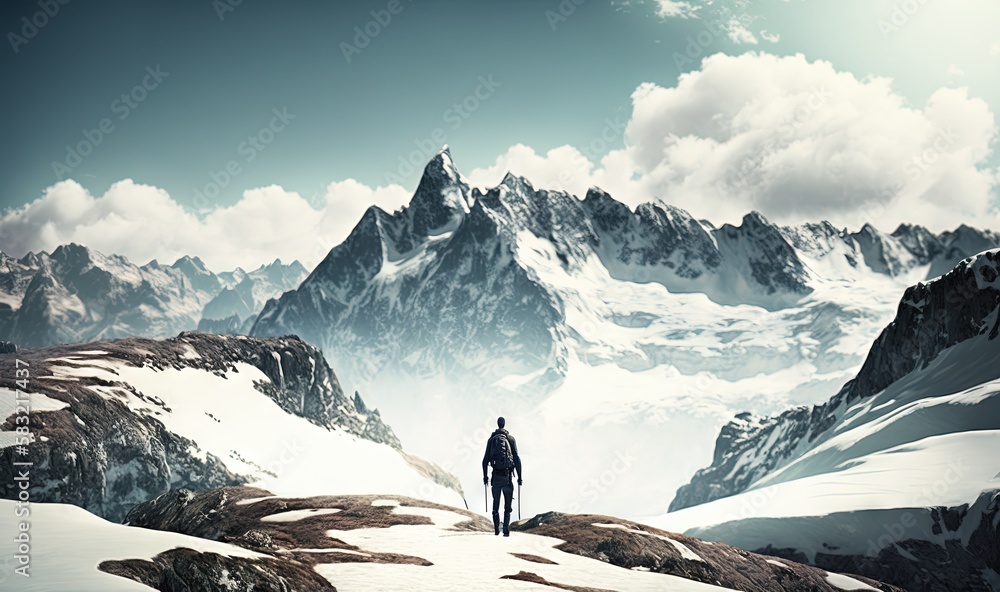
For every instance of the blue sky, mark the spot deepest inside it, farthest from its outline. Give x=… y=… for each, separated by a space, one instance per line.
x=170 y=94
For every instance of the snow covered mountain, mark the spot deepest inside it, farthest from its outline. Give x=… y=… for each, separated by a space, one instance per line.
x=241 y=538
x=645 y=328
x=245 y=294
x=77 y=294
x=896 y=476
x=120 y=422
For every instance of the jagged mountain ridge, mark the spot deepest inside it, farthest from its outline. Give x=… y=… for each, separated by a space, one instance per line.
x=451 y=269
x=119 y=422
x=77 y=294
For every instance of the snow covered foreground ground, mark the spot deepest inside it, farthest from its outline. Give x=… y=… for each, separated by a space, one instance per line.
x=377 y=543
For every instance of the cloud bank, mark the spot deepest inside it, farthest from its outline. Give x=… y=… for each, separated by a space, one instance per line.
x=144 y=223
x=793 y=139
x=796 y=140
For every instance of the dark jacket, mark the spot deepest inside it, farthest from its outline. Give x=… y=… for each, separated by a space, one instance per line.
x=502 y=479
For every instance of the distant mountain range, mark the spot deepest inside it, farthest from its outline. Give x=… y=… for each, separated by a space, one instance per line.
x=76 y=294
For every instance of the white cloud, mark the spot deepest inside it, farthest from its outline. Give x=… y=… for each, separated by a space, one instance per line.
x=954 y=71
x=769 y=37
x=796 y=140
x=143 y=223
x=675 y=9
x=995 y=49
x=738 y=33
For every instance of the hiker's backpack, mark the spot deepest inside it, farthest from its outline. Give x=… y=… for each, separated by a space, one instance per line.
x=501 y=456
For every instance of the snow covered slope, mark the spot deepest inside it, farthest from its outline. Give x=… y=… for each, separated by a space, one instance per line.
x=77 y=294
x=67 y=546
x=120 y=422
x=610 y=337
x=897 y=474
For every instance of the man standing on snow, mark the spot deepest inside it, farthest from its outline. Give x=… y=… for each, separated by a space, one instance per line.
x=501 y=454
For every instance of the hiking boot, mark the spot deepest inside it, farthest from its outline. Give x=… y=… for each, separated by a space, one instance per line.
x=496 y=525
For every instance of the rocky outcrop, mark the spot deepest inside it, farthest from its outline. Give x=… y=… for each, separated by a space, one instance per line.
x=636 y=546
x=236 y=515
x=102 y=456
x=255 y=520
x=186 y=569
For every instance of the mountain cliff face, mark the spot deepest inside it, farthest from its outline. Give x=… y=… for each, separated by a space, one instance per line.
x=119 y=422
x=932 y=316
x=891 y=478
x=77 y=294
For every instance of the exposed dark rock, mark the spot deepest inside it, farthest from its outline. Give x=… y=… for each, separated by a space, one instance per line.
x=527 y=576
x=232 y=515
x=632 y=545
x=183 y=570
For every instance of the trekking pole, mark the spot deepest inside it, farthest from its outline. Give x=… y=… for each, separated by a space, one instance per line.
x=518 y=498
x=486 y=499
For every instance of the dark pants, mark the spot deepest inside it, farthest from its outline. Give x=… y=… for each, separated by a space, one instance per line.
x=508 y=499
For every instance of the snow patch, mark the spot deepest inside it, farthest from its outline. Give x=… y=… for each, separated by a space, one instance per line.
x=295 y=515
x=846 y=583
x=685 y=552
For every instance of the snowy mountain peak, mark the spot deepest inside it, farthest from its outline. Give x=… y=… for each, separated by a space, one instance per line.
x=440 y=202
x=515 y=183
x=755 y=219
x=188 y=262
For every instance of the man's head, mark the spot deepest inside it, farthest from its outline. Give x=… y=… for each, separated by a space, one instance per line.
x=501 y=422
